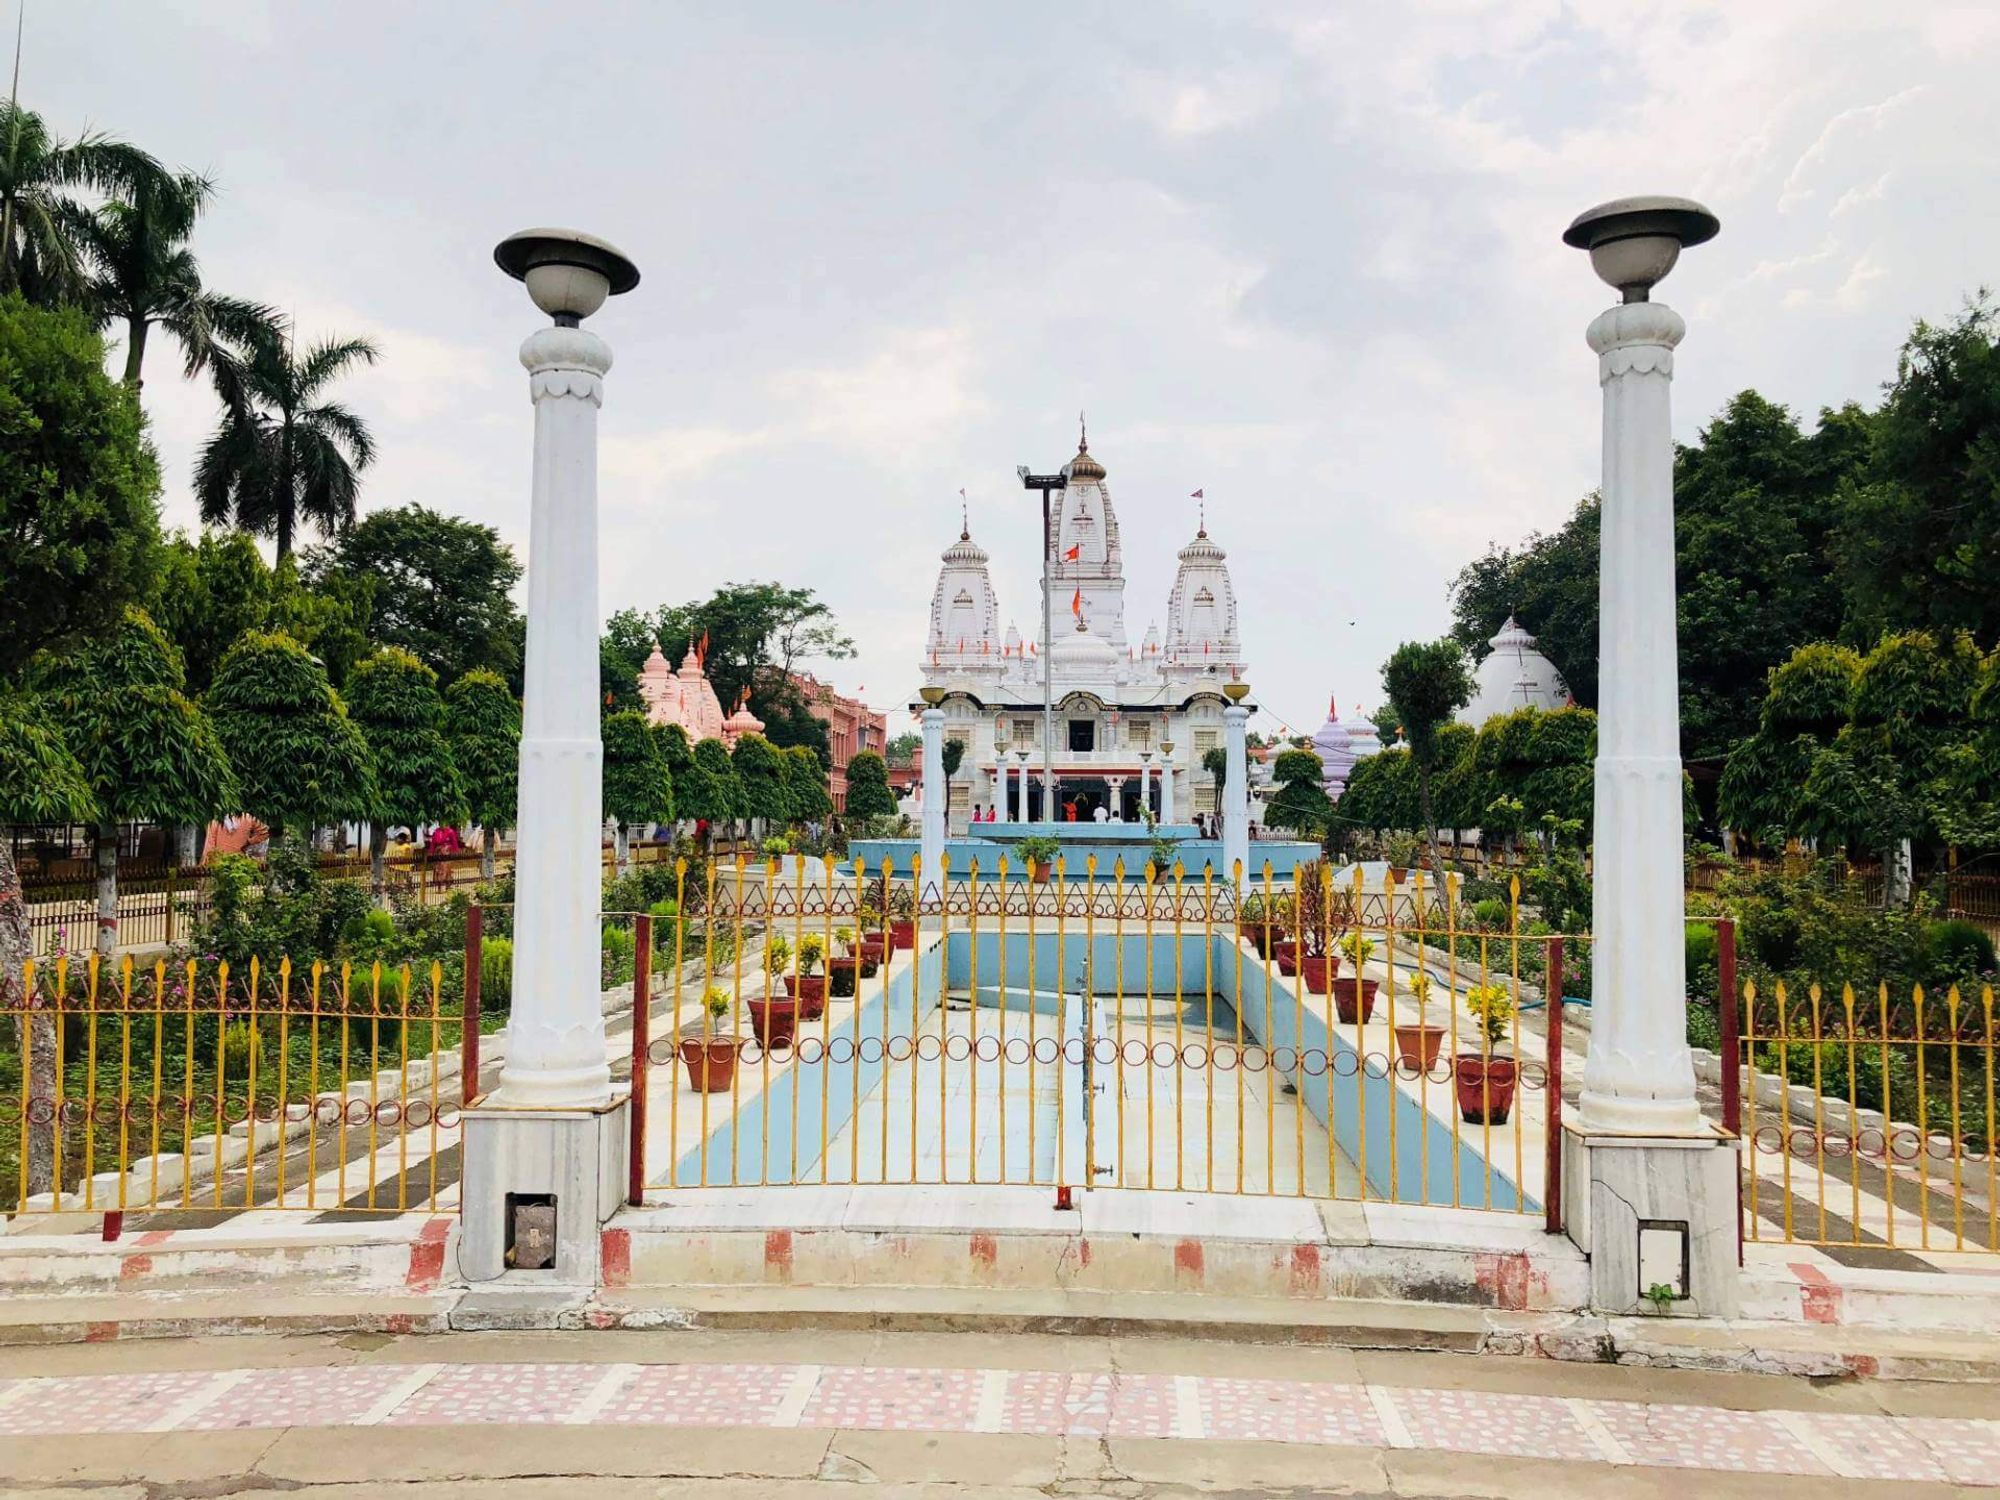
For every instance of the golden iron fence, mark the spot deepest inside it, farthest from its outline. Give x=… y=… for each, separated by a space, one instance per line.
x=128 y=1089
x=1129 y=1028
x=1869 y=1116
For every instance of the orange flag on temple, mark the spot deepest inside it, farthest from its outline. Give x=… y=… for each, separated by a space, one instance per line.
x=1076 y=604
x=1074 y=553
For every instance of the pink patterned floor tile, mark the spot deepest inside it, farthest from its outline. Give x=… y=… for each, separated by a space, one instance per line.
x=1490 y=1422
x=1877 y=1447
x=903 y=1400
x=298 y=1398
x=1290 y=1411
x=701 y=1396
x=1054 y=1403
x=1142 y=1406
x=1706 y=1437
x=1968 y=1452
x=459 y=1394
x=99 y=1403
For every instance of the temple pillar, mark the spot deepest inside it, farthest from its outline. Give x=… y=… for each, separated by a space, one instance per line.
x=1236 y=786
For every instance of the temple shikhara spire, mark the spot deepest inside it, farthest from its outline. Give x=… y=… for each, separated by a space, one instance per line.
x=1121 y=693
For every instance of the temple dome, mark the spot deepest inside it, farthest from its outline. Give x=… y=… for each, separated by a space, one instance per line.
x=1362 y=737
x=1335 y=748
x=1083 y=466
x=1514 y=675
x=1081 y=653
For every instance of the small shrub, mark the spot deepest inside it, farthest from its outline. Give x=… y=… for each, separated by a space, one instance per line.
x=1492 y=913
x=496 y=974
x=1954 y=952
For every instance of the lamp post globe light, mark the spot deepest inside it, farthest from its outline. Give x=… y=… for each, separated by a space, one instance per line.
x=536 y=1146
x=1658 y=1182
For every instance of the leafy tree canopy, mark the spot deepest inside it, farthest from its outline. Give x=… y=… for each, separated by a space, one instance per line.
x=760 y=770
x=442 y=587
x=868 y=794
x=638 y=787
x=1301 y=802
x=151 y=754
x=806 y=779
x=299 y=759
x=953 y=755
x=710 y=789
x=1918 y=540
x=393 y=699
x=482 y=723
x=41 y=781
x=79 y=486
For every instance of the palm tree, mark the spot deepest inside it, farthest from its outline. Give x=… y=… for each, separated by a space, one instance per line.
x=146 y=275
x=283 y=454
x=40 y=222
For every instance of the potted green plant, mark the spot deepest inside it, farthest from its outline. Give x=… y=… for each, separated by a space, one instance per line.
x=775 y=1017
x=874 y=940
x=1318 y=921
x=1039 y=852
x=710 y=1058
x=903 y=917
x=808 y=985
x=843 y=969
x=1486 y=1082
x=1354 y=997
x=1418 y=1043
x=1253 y=923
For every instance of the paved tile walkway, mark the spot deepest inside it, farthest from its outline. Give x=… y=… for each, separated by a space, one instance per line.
x=1087 y=1404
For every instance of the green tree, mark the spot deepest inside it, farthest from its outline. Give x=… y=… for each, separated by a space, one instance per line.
x=299 y=759
x=1808 y=699
x=757 y=635
x=638 y=786
x=760 y=771
x=151 y=755
x=1216 y=763
x=1918 y=539
x=207 y=593
x=710 y=791
x=806 y=779
x=392 y=698
x=1301 y=803
x=40 y=782
x=1381 y=794
x=953 y=755
x=442 y=587
x=482 y=723
x=902 y=747
x=868 y=794
x=39 y=217
x=1754 y=512
x=79 y=488
x=628 y=639
x=1561 y=781
x=144 y=275
x=1429 y=682
x=284 y=453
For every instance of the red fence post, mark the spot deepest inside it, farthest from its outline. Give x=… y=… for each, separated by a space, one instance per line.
x=468 y=1040
x=642 y=959
x=1729 y=1022
x=1552 y=1182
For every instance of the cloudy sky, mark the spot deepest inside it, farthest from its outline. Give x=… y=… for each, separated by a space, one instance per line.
x=1303 y=256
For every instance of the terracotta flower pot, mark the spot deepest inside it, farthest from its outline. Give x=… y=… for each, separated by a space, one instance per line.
x=1417 y=1047
x=1485 y=1088
x=874 y=948
x=1286 y=952
x=711 y=1062
x=774 y=1018
x=1354 y=1000
x=810 y=991
x=1318 y=972
x=1258 y=935
x=1043 y=874
x=903 y=934
x=843 y=976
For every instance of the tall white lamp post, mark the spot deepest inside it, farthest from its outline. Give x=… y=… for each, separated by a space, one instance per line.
x=1236 y=783
x=931 y=847
x=1659 y=1189
x=1166 y=781
x=536 y=1150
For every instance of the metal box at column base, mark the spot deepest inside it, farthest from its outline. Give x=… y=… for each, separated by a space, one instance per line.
x=1658 y=1217
x=519 y=1162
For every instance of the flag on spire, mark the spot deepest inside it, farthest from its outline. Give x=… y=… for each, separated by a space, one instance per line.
x=1195 y=496
x=1074 y=553
x=1076 y=604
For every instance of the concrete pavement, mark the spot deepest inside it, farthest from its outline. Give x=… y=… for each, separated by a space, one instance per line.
x=793 y=1412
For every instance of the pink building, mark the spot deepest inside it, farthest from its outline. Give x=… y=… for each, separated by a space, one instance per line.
x=851 y=727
